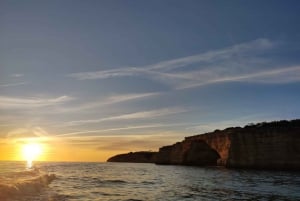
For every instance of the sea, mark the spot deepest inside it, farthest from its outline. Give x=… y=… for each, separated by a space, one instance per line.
x=65 y=181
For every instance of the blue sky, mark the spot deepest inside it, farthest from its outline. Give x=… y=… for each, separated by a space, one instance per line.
x=137 y=75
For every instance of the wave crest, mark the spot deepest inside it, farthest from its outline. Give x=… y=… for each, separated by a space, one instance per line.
x=23 y=183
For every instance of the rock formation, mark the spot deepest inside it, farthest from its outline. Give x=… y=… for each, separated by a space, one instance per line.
x=274 y=145
x=194 y=152
x=134 y=157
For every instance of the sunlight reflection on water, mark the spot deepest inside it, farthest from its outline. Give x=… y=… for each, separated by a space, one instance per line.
x=125 y=181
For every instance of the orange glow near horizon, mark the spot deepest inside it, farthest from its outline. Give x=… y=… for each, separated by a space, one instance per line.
x=34 y=149
x=31 y=150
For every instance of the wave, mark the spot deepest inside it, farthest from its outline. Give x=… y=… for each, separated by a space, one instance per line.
x=108 y=181
x=18 y=184
x=115 y=181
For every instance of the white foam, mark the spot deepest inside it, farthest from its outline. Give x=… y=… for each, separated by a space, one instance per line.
x=19 y=184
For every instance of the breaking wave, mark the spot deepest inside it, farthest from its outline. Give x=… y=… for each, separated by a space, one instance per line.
x=17 y=185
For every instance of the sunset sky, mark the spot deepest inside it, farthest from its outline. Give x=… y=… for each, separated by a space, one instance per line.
x=90 y=79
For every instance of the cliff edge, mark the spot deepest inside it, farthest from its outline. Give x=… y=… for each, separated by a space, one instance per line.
x=273 y=145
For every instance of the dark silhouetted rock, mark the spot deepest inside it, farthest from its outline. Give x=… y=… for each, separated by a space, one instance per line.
x=273 y=145
x=134 y=157
x=195 y=152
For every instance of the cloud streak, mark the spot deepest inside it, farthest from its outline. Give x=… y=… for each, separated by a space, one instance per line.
x=274 y=76
x=13 y=84
x=130 y=116
x=17 y=75
x=127 y=97
x=28 y=132
x=123 y=143
x=217 y=55
x=211 y=56
x=241 y=62
x=82 y=134
x=29 y=103
x=109 y=130
x=110 y=100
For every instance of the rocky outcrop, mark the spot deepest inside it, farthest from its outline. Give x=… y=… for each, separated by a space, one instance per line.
x=272 y=145
x=195 y=152
x=134 y=157
x=266 y=147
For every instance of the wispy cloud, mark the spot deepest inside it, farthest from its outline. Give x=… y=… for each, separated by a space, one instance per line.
x=105 y=74
x=281 y=75
x=13 y=84
x=17 y=75
x=110 y=100
x=123 y=143
x=216 y=55
x=136 y=115
x=134 y=144
x=127 y=97
x=241 y=62
x=24 y=103
x=110 y=131
x=211 y=56
x=146 y=143
x=27 y=132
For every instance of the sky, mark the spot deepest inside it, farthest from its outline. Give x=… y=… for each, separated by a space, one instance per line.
x=90 y=79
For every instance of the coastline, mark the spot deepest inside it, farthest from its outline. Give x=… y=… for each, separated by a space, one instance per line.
x=262 y=146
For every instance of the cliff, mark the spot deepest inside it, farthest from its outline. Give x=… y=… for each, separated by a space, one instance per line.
x=187 y=153
x=134 y=157
x=272 y=145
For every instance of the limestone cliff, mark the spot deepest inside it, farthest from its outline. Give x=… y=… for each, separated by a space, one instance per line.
x=194 y=152
x=134 y=157
x=274 y=145
x=265 y=147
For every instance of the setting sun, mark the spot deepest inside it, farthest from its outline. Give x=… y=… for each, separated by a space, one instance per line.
x=31 y=152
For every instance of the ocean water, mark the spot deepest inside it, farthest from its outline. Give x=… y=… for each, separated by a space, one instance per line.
x=131 y=181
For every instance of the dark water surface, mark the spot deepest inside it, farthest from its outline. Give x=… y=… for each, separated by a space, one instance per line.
x=131 y=181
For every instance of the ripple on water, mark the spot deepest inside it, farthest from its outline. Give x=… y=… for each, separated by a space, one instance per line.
x=117 y=181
